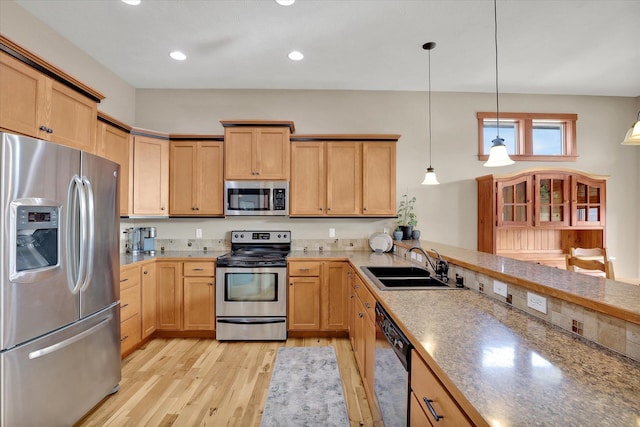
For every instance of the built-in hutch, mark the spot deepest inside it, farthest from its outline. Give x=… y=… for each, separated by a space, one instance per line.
x=539 y=214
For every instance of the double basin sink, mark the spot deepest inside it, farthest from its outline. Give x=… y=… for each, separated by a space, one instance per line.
x=404 y=278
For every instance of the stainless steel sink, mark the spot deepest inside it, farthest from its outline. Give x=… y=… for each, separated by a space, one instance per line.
x=403 y=278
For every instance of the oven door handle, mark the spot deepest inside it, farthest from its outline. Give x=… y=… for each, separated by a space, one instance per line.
x=251 y=321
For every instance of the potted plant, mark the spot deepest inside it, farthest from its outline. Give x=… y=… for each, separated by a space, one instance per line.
x=406 y=216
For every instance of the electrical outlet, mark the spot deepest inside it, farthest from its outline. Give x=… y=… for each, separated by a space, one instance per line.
x=332 y=232
x=413 y=255
x=198 y=233
x=418 y=257
x=500 y=288
x=537 y=302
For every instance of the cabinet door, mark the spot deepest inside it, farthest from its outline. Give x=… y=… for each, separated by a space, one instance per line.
x=72 y=118
x=115 y=145
x=378 y=178
x=552 y=200
x=182 y=178
x=344 y=178
x=369 y=339
x=150 y=176
x=199 y=294
x=304 y=303
x=307 y=179
x=272 y=153
x=588 y=202
x=149 y=300
x=22 y=91
x=209 y=178
x=335 y=297
x=239 y=149
x=514 y=198
x=358 y=333
x=169 y=296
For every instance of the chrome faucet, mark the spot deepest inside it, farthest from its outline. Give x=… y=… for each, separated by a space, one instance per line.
x=440 y=266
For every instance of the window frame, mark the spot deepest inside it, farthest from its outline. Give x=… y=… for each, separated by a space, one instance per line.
x=525 y=135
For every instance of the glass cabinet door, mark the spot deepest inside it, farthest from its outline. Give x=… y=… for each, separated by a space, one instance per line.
x=514 y=202
x=588 y=198
x=552 y=200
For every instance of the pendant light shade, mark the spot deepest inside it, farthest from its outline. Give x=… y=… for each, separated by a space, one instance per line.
x=430 y=175
x=633 y=135
x=498 y=155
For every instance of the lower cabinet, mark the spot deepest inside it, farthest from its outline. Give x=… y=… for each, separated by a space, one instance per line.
x=362 y=331
x=318 y=296
x=130 y=303
x=431 y=404
x=185 y=295
x=149 y=300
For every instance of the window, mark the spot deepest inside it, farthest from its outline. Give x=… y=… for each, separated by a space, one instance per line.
x=530 y=136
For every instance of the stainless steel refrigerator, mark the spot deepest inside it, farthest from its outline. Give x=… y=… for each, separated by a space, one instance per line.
x=59 y=268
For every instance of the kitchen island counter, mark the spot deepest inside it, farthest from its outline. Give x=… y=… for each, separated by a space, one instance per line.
x=503 y=366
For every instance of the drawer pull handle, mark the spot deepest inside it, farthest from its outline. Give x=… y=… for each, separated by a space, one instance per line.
x=197 y=269
x=126 y=305
x=304 y=269
x=432 y=410
x=123 y=280
x=356 y=286
x=124 y=338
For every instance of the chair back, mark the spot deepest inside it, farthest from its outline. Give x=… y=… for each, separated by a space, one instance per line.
x=589 y=266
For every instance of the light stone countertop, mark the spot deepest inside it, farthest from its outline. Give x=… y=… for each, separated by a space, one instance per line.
x=512 y=368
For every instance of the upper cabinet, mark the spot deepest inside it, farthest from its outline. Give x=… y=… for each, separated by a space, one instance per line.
x=34 y=103
x=150 y=175
x=114 y=143
x=196 y=179
x=343 y=178
x=540 y=215
x=256 y=150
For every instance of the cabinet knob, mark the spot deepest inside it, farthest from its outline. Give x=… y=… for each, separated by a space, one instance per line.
x=43 y=128
x=49 y=130
x=364 y=209
x=211 y=284
x=162 y=208
x=290 y=283
x=145 y=272
x=366 y=304
x=361 y=314
x=328 y=209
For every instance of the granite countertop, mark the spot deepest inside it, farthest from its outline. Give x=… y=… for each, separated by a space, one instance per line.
x=126 y=259
x=513 y=368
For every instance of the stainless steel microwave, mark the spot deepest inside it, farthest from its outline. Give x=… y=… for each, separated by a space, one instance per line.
x=256 y=198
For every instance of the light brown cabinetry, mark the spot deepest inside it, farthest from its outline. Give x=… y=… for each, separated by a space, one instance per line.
x=130 y=305
x=150 y=176
x=539 y=214
x=199 y=295
x=256 y=152
x=115 y=144
x=343 y=178
x=169 y=295
x=318 y=296
x=431 y=404
x=362 y=331
x=149 y=299
x=34 y=104
x=196 y=178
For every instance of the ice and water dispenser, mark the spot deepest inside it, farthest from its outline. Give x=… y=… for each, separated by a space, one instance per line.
x=37 y=233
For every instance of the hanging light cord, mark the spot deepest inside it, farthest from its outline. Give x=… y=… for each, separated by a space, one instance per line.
x=430 y=109
x=495 y=37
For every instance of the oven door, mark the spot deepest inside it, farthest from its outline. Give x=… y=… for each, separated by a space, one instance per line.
x=251 y=292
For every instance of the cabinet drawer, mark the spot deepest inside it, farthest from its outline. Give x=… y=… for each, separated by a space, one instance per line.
x=304 y=268
x=129 y=302
x=202 y=268
x=129 y=333
x=368 y=301
x=425 y=385
x=129 y=277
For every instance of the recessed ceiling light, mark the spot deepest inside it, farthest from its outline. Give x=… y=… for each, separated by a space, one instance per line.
x=177 y=55
x=131 y=2
x=285 y=2
x=295 y=55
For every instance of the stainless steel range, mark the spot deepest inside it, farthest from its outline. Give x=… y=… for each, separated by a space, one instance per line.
x=251 y=291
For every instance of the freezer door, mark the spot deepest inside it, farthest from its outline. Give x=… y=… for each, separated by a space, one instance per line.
x=35 y=296
x=101 y=285
x=57 y=379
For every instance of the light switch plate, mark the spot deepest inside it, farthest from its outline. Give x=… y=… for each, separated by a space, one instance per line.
x=500 y=288
x=537 y=302
x=198 y=233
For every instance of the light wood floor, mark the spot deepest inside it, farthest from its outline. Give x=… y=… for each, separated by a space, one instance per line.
x=203 y=382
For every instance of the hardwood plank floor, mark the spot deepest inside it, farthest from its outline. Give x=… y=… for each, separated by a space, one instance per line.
x=203 y=382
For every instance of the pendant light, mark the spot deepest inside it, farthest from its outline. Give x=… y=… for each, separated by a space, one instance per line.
x=633 y=135
x=498 y=155
x=430 y=175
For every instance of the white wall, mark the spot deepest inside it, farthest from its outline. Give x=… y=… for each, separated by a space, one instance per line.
x=446 y=213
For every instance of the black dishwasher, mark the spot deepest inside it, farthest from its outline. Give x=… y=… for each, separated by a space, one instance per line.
x=391 y=376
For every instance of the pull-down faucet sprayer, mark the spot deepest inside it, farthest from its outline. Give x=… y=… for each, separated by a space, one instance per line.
x=440 y=266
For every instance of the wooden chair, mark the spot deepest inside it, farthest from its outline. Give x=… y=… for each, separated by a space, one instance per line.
x=590 y=264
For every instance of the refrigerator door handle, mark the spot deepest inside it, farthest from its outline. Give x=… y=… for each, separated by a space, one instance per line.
x=89 y=242
x=62 y=344
x=77 y=204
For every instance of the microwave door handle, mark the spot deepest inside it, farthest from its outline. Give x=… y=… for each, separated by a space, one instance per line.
x=89 y=242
